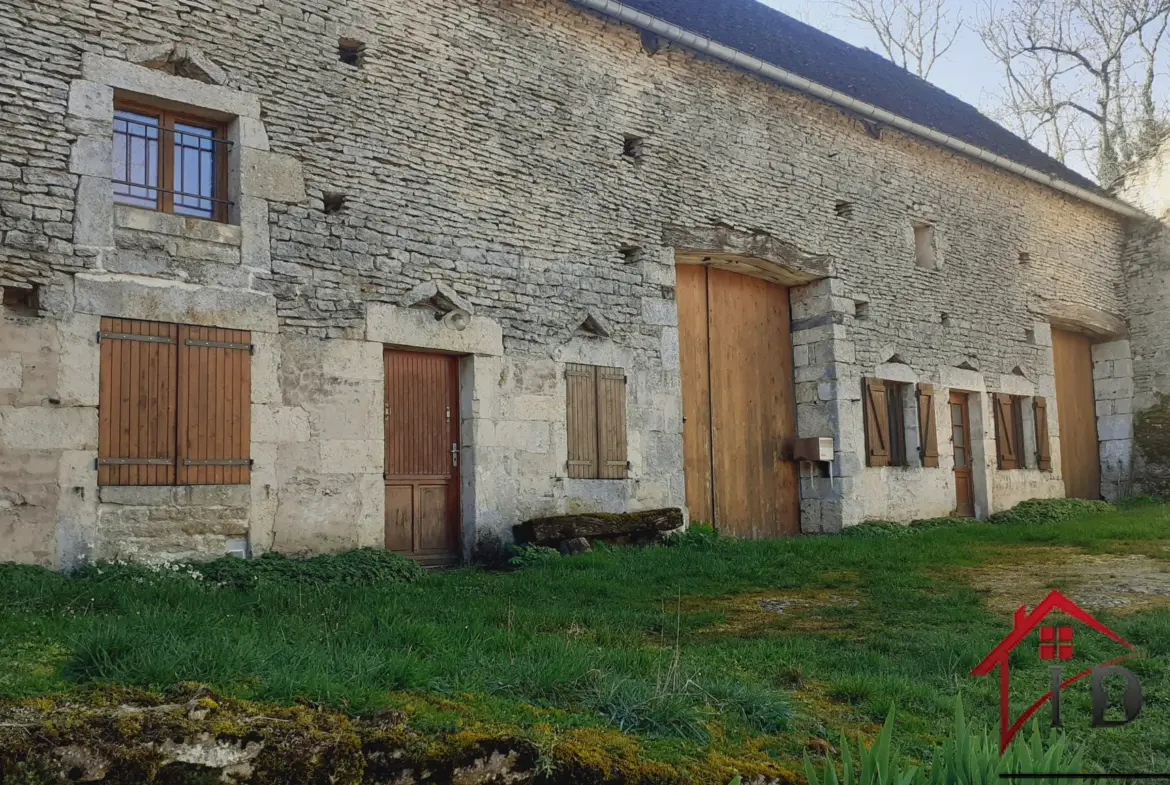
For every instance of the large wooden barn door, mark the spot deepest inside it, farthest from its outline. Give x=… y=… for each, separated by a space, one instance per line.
x=739 y=403
x=422 y=456
x=1079 y=459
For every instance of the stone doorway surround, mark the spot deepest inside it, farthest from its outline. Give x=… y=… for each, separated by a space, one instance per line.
x=481 y=348
x=823 y=357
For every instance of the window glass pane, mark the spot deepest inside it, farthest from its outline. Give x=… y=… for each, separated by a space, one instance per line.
x=956 y=414
x=194 y=170
x=960 y=458
x=136 y=148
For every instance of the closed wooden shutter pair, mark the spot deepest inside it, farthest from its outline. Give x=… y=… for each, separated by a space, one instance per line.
x=880 y=443
x=1007 y=440
x=174 y=404
x=596 y=422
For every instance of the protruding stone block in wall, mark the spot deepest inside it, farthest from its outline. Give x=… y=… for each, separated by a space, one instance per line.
x=91 y=101
x=271 y=176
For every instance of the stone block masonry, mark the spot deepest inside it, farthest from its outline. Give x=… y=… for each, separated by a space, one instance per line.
x=492 y=175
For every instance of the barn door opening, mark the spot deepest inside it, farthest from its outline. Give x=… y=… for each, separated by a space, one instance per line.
x=422 y=456
x=1076 y=409
x=739 y=402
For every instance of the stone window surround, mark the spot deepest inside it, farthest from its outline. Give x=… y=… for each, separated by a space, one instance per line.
x=603 y=352
x=901 y=373
x=255 y=174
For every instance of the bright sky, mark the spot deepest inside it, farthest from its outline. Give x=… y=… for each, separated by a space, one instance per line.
x=966 y=71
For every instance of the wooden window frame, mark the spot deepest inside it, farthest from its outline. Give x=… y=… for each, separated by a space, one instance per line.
x=896 y=413
x=596 y=431
x=165 y=190
x=174 y=405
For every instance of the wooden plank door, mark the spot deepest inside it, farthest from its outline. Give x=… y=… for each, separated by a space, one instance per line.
x=1080 y=461
x=739 y=402
x=422 y=456
x=961 y=442
x=694 y=356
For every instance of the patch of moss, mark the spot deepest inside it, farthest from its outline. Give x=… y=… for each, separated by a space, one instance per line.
x=301 y=745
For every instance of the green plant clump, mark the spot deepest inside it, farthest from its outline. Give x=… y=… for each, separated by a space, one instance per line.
x=879 y=529
x=1051 y=511
x=531 y=555
x=361 y=567
x=967 y=758
x=699 y=535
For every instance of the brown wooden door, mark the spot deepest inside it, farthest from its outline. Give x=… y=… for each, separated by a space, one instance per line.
x=422 y=456
x=739 y=403
x=961 y=441
x=1080 y=463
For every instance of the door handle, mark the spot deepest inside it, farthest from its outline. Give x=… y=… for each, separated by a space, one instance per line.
x=455 y=453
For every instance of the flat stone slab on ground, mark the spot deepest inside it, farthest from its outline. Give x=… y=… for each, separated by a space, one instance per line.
x=597 y=526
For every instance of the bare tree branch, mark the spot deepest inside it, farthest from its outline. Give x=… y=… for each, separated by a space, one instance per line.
x=912 y=33
x=1080 y=75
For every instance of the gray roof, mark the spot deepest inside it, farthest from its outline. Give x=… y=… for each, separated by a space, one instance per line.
x=763 y=32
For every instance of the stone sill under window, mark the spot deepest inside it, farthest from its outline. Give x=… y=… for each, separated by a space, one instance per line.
x=176 y=495
x=184 y=226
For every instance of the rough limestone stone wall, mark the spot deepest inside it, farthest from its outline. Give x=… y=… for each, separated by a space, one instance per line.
x=480 y=144
x=1147 y=266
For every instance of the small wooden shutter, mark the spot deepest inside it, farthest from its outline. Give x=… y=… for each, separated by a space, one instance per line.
x=877 y=422
x=1043 y=456
x=137 y=403
x=611 y=423
x=927 y=428
x=1005 y=432
x=215 y=398
x=582 y=420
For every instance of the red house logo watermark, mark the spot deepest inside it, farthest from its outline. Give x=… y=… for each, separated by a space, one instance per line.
x=1056 y=645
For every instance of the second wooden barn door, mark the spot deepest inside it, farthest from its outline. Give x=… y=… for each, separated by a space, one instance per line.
x=739 y=403
x=1076 y=409
x=422 y=456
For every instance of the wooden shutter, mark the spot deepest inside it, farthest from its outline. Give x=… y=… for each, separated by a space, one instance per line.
x=582 y=420
x=215 y=397
x=877 y=422
x=1043 y=455
x=927 y=428
x=1005 y=432
x=611 y=423
x=137 y=403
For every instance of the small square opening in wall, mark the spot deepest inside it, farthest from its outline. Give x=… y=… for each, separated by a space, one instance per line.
x=333 y=203
x=630 y=253
x=843 y=209
x=351 y=52
x=925 y=253
x=632 y=148
x=1025 y=257
x=22 y=301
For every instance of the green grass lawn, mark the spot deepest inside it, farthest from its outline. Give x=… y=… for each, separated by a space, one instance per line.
x=678 y=648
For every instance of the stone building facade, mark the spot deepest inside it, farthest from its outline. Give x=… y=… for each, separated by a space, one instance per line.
x=540 y=169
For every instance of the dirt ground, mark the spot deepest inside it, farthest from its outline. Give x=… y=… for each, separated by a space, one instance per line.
x=1118 y=582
